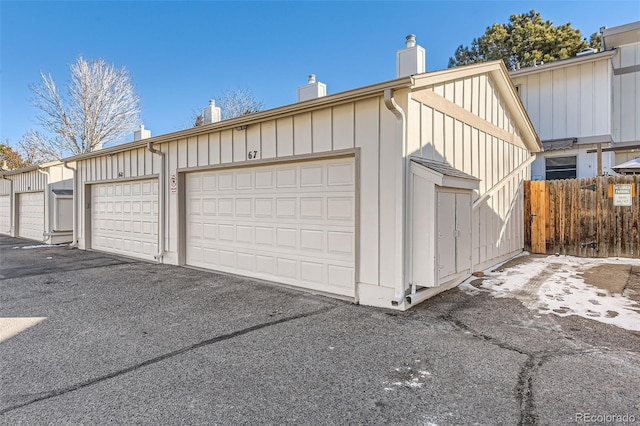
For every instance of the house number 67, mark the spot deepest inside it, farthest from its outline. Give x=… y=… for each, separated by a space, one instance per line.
x=252 y=154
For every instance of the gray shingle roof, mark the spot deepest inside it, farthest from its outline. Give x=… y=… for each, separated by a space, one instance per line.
x=442 y=168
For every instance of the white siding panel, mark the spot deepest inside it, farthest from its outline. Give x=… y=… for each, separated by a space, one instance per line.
x=203 y=150
x=343 y=126
x=426 y=128
x=545 y=129
x=192 y=151
x=572 y=100
x=586 y=105
x=268 y=139
x=602 y=98
x=239 y=145
x=214 y=148
x=253 y=142
x=321 y=130
x=226 y=146
x=367 y=137
x=559 y=104
x=302 y=134
x=284 y=136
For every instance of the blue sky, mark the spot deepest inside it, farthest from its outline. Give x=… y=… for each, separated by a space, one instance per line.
x=181 y=54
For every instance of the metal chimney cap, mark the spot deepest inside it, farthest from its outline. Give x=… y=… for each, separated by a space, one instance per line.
x=411 y=40
x=212 y=102
x=312 y=78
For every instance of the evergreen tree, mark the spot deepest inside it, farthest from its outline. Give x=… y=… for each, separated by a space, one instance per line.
x=524 y=41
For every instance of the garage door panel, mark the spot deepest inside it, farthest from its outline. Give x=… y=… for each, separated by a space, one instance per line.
x=125 y=218
x=292 y=223
x=31 y=215
x=5 y=214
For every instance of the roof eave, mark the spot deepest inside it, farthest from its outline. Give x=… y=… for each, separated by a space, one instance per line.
x=309 y=105
x=563 y=63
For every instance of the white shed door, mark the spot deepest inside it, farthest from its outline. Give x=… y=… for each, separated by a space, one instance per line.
x=292 y=223
x=124 y=218
x=454 y=234
x=5 y=213
x=446 y=244
x=31 y=215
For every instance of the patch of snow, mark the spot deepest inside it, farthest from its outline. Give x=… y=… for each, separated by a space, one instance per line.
x=561 y=292
x=40 y=246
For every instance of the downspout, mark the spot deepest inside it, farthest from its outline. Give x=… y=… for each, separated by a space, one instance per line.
x=11 y=196
x=74 y=243
x=47 y=203
x=392 y=106
x=161 y=202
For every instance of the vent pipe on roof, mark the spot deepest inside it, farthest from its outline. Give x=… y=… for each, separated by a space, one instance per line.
x=141 y=134
x=211 y=114
x=312 y=90
x=410 y=60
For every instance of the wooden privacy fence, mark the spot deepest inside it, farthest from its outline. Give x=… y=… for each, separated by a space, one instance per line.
x=578 y=217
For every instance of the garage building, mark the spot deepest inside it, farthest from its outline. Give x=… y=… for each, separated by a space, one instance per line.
x=385 y=195
x=37 y=203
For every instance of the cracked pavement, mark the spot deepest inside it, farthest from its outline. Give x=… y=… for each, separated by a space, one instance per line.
x=131 y=342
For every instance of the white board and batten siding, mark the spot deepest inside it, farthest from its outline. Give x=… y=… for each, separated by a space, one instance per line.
x=626 y=94
x=482 y=152
x=569 y=101
x=352 y=131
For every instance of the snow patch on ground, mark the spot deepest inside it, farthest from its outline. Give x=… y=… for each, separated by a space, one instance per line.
x=39 y=246
x=551 y=285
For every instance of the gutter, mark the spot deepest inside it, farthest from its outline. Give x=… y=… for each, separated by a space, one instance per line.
x=401 y=196
x=11 y=196
x=74 y=242
x=161 y=202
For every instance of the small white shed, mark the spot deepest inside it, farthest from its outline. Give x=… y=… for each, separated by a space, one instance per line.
x=349 y=194
x=37 y=203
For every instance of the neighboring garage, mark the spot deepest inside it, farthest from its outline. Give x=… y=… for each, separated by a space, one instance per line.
x=125 y=217
x=37 y=203
x=31 y=215
x=385 y=194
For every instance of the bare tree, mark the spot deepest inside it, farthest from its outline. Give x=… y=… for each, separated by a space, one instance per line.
x=37 y=149
x=99 y=107
x=238 y=102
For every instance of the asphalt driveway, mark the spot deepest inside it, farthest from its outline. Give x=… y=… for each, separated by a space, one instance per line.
x=91 y=338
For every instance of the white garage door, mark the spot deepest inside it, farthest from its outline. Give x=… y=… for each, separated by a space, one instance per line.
x=292 y=223
x=124 y=218
x=31 y=215
x=5 y=212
